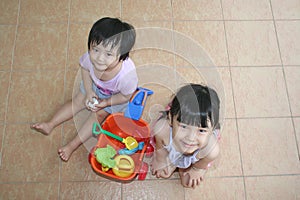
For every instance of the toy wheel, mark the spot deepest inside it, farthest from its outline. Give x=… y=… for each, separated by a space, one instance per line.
x=143 y=171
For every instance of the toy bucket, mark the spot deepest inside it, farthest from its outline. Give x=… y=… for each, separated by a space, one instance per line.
x=122 y=126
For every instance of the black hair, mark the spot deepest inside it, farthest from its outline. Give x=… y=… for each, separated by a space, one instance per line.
x=112 y=31
x=194 y=105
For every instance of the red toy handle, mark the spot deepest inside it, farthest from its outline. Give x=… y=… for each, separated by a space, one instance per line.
x=143 y=171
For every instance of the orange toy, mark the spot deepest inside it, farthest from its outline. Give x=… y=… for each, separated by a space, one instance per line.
x=123 y=127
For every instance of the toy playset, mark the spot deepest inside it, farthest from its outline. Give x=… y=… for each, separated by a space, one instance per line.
x=123 y=140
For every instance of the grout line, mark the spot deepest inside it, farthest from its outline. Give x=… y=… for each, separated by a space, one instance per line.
x=175 y=64
x=163 y=20
x=174 y=45
x=294 y=126
x=64 y=95
x=285 y=80
x=234 y=104
x=10 y=83
x=153 y=179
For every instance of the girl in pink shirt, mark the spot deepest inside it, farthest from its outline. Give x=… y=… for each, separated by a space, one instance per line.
x=108 y=75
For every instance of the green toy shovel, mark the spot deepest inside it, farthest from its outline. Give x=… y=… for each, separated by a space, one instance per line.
x=129 y=141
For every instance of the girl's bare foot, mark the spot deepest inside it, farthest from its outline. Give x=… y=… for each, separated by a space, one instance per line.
x=65 y=152
x=42 y=127
x=184 y=177
x=191 y=177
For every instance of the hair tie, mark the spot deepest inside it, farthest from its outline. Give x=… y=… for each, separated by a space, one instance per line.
x=168 y=107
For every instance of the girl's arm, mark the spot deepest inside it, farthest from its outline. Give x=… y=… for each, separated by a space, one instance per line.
x=203 y=163
x=161 y=165
x=118 y=99
x=87 y=81
x=113 y=100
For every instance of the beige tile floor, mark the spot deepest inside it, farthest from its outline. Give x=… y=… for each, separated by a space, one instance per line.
x=255 y=45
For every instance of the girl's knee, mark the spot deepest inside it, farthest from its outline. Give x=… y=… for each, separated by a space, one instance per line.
x=78 y=100
x=101 y=115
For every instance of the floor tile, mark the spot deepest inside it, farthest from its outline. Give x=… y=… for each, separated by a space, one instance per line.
x=208 y=35
x=7 y=39
x=41 y=47
x=146 y=10
x=4 y=84
x=29 y=156
x=246 y=10
x=78 y=43
x=218 y=78
x=78 y=167
x=90 y=190
x=228 y=163
x=288 y=43
x=157 y=101
x=159 y=79
x=268 y=146
x=273 y=187
x=160 y=189
x=252 y=86
x=297 y=129
x=29 y=99
x=189 y=75
x=158 y=38
x=29 y=191
x=293 y=86
x=144 y=57
x=252 y=43
x=288 y=9
x=153 y=44
x=2 y=129
x=9 y=11
x=225 y=75
x=197 y=10
x=139 y=24
x=72 y=83
x=159 y=75
x=90 y=11
x=217 y=188
x=35 y=11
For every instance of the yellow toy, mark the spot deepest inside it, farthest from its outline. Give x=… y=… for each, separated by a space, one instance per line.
x=124 y=166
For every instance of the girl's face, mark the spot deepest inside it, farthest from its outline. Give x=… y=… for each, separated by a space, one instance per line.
x=187 y=139
x=104 y=58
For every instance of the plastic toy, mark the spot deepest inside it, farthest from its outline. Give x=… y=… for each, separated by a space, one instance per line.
x=129 y=141
x=126 y=151
x=124 y=166
x=128 y=125
x=93 y=103
x=136 y=104
x=143 y=171
x=105 y=157
x=123 y=127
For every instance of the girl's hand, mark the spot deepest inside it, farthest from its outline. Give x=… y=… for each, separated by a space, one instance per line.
x=89 y=100
x=191 y=177
x=102 y=104
x=161 y=169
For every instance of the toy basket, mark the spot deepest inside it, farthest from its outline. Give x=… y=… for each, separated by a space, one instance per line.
x=123 y=127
